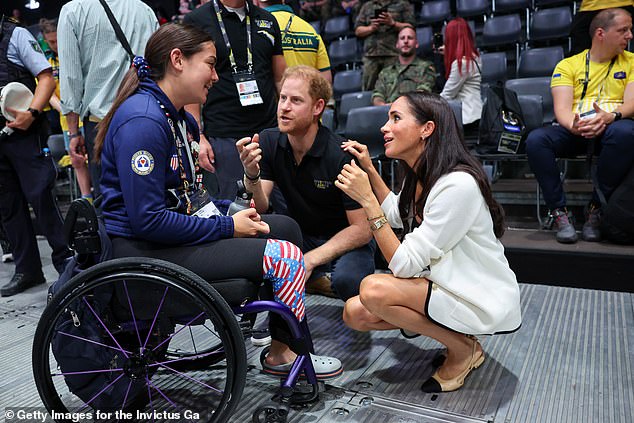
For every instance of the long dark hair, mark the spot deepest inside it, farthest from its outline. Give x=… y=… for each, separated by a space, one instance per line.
x=188 y=39
x=444 y=152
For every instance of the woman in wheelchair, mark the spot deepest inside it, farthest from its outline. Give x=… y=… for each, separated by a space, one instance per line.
x=154 y=204
x=450 y=279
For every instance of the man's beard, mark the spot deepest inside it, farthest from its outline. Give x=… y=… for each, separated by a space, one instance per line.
x=409 y=53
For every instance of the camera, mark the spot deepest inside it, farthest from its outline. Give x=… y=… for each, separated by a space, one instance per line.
x=438 y=40
x=379 y=11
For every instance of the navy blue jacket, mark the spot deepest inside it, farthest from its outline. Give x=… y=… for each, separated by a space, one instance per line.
x=135 y=194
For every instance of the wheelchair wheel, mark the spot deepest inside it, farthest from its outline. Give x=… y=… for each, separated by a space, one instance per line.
x=143 y=336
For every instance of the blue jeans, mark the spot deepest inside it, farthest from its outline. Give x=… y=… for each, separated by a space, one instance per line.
x=615 y=159
x=348 y=270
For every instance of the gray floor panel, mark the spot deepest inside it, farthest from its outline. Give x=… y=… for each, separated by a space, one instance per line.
x=571 y=361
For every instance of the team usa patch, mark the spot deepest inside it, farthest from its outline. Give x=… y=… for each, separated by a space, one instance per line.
x=142 y=163
x=174 y=162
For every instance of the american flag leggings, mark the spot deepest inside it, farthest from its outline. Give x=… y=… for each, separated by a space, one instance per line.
x=283 y=265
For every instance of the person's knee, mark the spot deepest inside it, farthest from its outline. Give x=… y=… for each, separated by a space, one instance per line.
x=620 y=133
x=285 y=228
x=372 y=292
x=355 y=316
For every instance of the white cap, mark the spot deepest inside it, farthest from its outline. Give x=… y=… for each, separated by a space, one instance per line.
x=14 y=95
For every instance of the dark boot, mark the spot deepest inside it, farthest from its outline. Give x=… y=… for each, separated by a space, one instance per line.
x=20 y=282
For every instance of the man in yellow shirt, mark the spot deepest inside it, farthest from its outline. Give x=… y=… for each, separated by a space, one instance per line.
x=579 y=31
x=593 y=95
x=300 y=42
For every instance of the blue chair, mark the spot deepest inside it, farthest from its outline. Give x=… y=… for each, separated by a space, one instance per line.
x=433 y=12
x=337 y=27
x=549 y=25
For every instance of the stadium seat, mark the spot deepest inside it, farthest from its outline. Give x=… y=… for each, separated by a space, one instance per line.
x=337 y=27
x=502 y=31
x=343 y=52
x=328 y=119
x=346 y=82
x=468 y=8
x=539 y=61
x=433 y=12
x=538 y=86
x=351 y=101
x=493 y=67
x=424 y=35
x=550 y=24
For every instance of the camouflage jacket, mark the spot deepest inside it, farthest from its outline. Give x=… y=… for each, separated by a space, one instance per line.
x=383 y=41
x=397 y=79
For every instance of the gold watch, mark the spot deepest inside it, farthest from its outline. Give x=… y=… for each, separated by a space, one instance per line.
x=378 y=224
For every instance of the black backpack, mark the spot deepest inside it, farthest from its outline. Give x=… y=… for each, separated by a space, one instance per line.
x=502 y=126
x=617 y=224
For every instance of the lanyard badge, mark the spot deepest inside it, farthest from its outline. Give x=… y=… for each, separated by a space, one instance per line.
x=246 y=82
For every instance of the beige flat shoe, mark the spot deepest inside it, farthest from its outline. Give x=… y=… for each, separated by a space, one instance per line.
x=438 y=384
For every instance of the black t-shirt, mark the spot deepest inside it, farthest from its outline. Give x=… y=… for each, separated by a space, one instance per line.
x=309 y=189
x=223 y=114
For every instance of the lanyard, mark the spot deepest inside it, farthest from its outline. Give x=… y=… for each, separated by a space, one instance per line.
x=181 y=141
x=288 y=26
x=587 y=77
x=234 y=65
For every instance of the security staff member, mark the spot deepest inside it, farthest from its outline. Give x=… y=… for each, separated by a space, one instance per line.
x=26 y=174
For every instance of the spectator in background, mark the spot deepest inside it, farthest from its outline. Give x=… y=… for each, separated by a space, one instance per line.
x=462 y=70
x=300 y=42
x=315 y=10
x=378 y=24
x=409 y=73
x=590 y=109
x=93 y=63
x=49 y=30
x=27 y=175
x=580 y=30
x=228 y=114
x=350 y=8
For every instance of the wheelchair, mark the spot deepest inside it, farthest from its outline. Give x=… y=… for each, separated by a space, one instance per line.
x=146 y=340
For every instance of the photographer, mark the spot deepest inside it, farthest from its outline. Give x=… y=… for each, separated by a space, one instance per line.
x=378 y=24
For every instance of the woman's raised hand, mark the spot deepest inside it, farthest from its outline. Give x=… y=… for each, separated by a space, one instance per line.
x=354 y=182
x=360 y=152
x=247 y=223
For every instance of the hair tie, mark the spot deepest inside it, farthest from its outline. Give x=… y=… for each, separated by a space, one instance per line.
x=142 y=67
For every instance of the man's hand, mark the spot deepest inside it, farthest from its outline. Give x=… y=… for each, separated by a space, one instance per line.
x=385 y=19
x=206 y=157
x=23 y=119
x=595 y=125
x=77 y=149
x=250 y=155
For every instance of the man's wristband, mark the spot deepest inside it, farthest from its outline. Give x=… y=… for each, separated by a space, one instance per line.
x=253 y=178
x=75 y=135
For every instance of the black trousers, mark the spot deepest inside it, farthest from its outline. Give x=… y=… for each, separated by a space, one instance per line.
x=27 y=177
x=224 y=259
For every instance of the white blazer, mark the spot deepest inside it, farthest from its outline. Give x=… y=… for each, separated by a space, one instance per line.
x=466 y=88
x=473 y=290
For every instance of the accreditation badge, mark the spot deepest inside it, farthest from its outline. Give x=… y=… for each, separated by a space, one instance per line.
x=247 y=87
